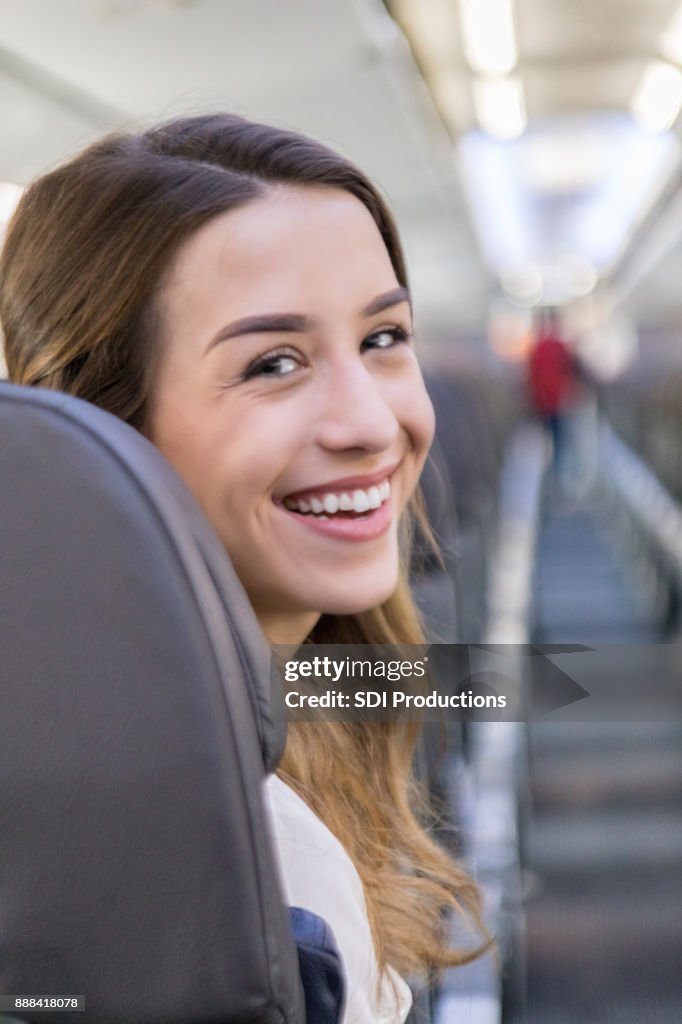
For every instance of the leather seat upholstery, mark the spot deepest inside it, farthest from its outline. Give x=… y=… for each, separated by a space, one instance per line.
x=135 y=729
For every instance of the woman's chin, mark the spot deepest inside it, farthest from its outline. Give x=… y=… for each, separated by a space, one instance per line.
x=354 y=602
x=318 y=592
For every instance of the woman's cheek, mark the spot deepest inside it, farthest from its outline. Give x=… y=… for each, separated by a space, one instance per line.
x=429 y=419
x=420 y=421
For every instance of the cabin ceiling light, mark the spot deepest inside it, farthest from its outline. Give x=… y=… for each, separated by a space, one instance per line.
x=658 y=99
x=489 y=36
x=500 y=106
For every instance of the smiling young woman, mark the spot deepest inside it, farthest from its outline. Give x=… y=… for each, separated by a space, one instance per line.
x=238 y=294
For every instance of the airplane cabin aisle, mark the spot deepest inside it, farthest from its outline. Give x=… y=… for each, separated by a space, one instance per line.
x=604 y=843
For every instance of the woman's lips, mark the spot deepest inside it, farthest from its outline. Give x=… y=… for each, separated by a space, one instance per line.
x=367 y=526
x=348 y=484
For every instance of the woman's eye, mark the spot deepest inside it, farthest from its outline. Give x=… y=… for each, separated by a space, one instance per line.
x=275 y=364
x=387 y=337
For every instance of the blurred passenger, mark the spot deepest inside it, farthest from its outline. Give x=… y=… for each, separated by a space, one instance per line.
x=556 y=386
x=238 y=294
x=551 y=377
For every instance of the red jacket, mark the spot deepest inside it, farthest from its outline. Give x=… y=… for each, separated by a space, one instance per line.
x=551 y=376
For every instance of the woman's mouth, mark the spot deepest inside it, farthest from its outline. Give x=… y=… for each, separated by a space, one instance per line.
x=346 y=504
x=358 y=513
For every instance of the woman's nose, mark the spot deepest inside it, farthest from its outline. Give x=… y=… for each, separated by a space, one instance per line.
x=355 y=412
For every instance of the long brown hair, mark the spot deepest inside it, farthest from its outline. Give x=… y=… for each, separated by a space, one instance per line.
x=83 y=256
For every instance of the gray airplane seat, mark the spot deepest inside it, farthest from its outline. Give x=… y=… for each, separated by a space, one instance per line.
x=135 y=729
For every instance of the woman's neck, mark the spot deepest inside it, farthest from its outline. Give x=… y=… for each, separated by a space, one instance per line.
x=287 y=627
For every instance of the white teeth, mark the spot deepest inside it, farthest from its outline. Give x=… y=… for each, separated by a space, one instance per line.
x=331 y=503
x=360 y=501
x=326 y=505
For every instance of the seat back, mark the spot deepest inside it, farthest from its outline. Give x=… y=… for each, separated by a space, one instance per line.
x=136 y=868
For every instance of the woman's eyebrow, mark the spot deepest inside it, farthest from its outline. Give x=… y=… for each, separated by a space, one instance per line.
x=385 y=301
x=295 y=323
x=264 y=324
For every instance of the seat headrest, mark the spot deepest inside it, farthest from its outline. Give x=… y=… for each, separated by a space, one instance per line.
x=136 y=727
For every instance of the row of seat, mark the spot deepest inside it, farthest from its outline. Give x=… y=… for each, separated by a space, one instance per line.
x=475 y=417
x=644 y=413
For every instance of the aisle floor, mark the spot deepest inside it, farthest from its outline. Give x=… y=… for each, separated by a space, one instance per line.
x=604 y=845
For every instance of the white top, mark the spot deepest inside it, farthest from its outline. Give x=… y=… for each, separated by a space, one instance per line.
x=318 y=875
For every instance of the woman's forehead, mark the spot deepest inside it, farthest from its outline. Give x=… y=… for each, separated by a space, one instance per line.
x=311 y=243
x=299 y=221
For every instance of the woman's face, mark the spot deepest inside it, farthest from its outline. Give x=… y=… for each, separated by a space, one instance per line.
x=290 y=400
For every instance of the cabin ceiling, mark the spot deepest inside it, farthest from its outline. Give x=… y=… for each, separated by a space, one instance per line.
x=397 y=102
